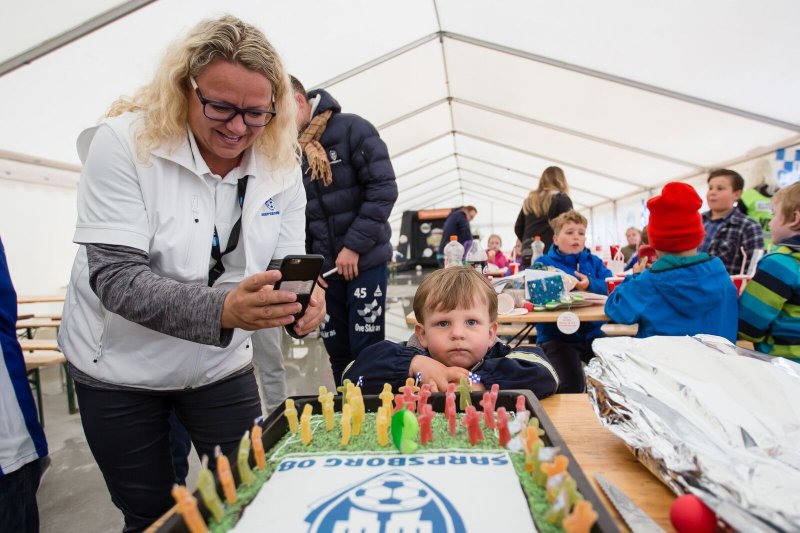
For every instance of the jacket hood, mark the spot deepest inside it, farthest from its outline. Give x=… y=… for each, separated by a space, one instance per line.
x=687 y=290
x=792 y=242
x=326 y=101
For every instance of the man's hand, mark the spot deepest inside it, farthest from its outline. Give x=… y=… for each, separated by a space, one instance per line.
x=253 y=304
x=347 y=263
x=583 y=281
x=315 y=313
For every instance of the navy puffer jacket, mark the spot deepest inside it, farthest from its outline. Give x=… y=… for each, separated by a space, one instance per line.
x=360 y=198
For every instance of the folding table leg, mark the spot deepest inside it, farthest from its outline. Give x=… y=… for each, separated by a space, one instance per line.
x=36 y=382
x=71 y=403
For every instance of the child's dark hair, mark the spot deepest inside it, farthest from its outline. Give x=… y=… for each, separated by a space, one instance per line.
x=737 y=181
x=453 y=288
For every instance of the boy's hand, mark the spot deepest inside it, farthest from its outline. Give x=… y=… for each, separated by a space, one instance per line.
x=455 y=373
x=640 y=266
x=435 y=373
x=583 y=281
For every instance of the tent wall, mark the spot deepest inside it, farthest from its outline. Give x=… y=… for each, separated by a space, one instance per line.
x=606 y=227
x=36 y=224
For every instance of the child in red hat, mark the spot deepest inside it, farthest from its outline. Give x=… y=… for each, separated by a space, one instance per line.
x=684 y=292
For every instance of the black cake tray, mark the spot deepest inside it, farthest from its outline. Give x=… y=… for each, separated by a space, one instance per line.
x=276 y=426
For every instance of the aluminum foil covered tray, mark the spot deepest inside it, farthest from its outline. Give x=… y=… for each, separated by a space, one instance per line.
x=707 y=418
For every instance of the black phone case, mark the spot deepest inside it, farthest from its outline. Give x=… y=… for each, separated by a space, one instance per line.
x=300 y=268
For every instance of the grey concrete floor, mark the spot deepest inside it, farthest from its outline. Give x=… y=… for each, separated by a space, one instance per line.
x=73 y=496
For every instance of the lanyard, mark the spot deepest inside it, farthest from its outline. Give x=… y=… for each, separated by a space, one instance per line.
x=217 y=270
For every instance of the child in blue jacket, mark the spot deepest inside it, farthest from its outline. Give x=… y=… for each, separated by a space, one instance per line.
x=569 y=253
x=684 y=292
x=455 y=336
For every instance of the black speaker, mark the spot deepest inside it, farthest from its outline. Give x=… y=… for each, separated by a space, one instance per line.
x=420 y=237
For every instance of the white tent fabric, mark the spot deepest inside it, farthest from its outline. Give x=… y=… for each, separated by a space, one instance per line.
x=473 y=98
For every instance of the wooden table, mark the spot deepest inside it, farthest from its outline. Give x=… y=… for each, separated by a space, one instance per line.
x=591 y=313
x=40 y=298
x=597 y=450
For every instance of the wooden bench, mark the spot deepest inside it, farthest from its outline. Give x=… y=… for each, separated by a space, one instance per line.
x=40 y=353
x=30 y=325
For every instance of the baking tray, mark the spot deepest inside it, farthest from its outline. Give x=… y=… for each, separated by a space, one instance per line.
x=276 y=426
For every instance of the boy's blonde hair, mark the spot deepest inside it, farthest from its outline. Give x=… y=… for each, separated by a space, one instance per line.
x=787 y=200
x=453 y=288
x=565 y=218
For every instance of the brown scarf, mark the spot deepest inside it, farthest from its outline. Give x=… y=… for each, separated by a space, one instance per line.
x=315 y=153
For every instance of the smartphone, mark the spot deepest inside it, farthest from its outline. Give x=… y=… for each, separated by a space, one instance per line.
x=299 y=275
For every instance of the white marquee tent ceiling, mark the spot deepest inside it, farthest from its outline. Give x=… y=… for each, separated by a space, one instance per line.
x=474 y=99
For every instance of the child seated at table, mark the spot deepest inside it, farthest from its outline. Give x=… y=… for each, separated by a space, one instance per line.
x=455 y=337
x=728 y=230
x=569 y=253
x=494 y=254
x=684 y=292
x=768 y=309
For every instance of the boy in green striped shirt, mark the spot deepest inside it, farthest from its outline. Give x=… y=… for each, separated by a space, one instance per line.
x=769 y=309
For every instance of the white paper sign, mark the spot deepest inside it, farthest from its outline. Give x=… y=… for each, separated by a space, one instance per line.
x=436 y=492
x=568 y=322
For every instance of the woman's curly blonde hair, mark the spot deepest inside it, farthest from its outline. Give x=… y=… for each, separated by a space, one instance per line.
x=164 y=105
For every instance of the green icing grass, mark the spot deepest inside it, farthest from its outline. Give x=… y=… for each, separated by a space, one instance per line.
x=327 y=442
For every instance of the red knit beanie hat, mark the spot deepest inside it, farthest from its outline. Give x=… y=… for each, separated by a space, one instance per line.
x=675 y=221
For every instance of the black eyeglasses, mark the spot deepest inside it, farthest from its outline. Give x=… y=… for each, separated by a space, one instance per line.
x=224 y=112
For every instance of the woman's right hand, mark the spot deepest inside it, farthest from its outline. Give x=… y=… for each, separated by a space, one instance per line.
x=253 y=304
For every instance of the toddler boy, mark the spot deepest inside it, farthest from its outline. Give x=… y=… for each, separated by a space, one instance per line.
x=684 y=292
x=727 y=229
x=769 y=309
x=455 y=336
x=569 y=253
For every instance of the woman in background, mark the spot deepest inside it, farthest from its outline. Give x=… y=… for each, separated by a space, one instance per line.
x=542 y=205
x=634 y=237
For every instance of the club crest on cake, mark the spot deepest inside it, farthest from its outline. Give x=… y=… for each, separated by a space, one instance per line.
x=391 y=501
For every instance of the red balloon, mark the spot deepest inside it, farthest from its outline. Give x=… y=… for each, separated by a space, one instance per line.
x=690 y=515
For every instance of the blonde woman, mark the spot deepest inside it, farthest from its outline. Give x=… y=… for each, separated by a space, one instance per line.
x=542 y=205
x=190 y=190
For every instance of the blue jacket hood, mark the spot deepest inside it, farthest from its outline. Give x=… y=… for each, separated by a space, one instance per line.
x=687 y=291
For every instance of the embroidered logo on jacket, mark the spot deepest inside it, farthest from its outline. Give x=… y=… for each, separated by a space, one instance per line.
x=334 y=157
x=269 y=209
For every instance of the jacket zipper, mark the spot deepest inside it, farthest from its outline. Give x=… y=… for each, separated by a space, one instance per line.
x=99 y=352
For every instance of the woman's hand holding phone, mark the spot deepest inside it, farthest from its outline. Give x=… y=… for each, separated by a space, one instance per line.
x=314 y=315
x=253 y=304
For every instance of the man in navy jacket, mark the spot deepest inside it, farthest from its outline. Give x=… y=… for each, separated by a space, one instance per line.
x=351 y=189
x=457 y=223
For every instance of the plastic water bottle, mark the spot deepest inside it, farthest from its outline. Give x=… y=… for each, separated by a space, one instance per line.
x=476 y=257
x=453 y=253
x=538 y=249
